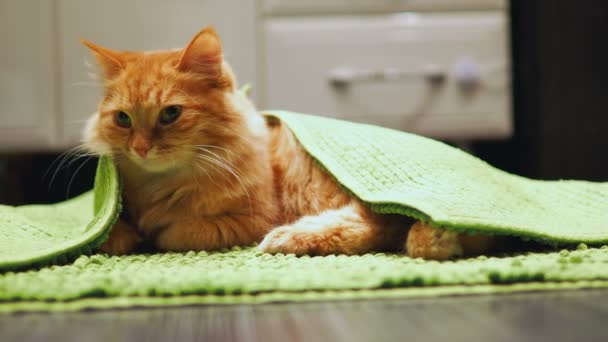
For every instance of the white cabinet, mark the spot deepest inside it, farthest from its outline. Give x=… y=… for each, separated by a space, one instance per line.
x=288 y=52
x=441 y=74
x=311 y=7
x=28 y=107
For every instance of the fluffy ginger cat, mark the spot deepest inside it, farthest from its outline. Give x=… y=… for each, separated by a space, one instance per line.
x=203 y=170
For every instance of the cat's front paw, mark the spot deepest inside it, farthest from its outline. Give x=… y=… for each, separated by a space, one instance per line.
x=122 y=240
x=288 y=240
x=304 y=240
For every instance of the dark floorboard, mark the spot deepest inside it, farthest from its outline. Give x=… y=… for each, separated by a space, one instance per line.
x=551 y=316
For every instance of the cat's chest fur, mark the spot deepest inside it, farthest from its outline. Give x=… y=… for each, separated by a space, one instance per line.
x=155 y=201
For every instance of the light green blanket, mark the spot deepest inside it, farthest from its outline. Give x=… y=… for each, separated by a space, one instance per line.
x=394 y=172
x=408 y=174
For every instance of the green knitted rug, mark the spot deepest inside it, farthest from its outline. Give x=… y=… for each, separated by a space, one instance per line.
x=46 y=261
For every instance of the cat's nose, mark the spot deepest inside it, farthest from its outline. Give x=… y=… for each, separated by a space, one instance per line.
x=141 y=151
x=141 y=145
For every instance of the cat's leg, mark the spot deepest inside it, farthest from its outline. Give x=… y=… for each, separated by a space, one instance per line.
x=211 y=232
x=428 y=242
x=352 y=229
x=122 y=240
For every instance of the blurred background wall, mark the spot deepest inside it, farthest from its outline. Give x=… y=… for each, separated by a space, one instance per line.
x=520 y=83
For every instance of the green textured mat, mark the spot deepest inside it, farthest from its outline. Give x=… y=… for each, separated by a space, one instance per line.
x=247 y=276
x=395 y=172
x=36 y=235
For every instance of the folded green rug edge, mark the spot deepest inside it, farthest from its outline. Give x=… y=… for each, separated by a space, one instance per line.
x=298 y=297
x=107 y=204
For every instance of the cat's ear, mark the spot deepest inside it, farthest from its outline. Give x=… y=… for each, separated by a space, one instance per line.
x=203 y=55
x=110 y=61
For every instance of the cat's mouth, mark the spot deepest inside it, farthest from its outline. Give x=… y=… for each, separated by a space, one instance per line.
x=153 y=162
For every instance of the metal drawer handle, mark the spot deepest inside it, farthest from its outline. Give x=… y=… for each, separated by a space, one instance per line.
x=342 y=77
x=467 y=73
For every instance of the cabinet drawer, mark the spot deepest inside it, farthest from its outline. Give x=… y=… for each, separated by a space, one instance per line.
x=439 y=74
x=369 y=6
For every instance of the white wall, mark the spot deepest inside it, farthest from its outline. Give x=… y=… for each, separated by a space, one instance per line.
x=28 y=94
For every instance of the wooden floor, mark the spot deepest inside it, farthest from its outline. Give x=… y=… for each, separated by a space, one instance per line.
x=554 y=316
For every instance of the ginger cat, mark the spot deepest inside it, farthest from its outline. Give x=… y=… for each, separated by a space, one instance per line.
x=203 y=170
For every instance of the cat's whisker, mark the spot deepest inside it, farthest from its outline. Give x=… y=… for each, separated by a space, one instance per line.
x=74 y=153
x=195 y=176
x=224 y=160
x=82 y=152
x=67 y=193
x=220 y=148
x=62 y=155
x=214 y=164
x=226 y=167
x=219 y=170
x=77 y=158
x=237 y=177
x=206 y=173
x=234 y=168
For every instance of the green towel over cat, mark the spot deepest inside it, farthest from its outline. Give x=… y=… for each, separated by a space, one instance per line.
x=394 y=172
x=402 y=173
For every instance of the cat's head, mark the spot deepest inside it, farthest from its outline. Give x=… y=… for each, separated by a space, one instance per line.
x=159 y=108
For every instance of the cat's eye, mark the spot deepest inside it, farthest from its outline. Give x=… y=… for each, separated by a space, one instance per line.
x=123 y=120
x=169 y=114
